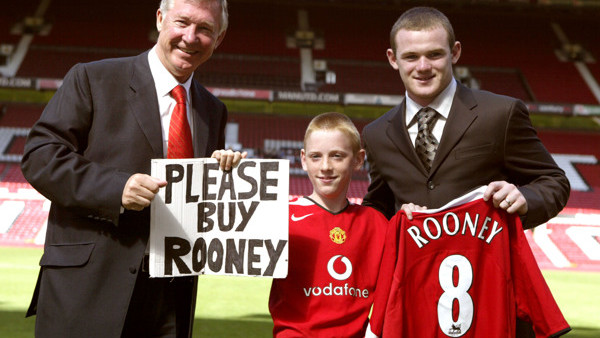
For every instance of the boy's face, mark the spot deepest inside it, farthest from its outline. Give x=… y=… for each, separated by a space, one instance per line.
x=329 y=161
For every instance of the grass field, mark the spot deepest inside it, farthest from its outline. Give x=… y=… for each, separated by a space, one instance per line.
x=237 y=307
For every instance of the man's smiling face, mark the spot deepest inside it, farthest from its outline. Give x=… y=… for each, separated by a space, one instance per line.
x=188 y=35
x=424 y=61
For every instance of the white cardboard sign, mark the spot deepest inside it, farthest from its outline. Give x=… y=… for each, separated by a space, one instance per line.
x=207 y=221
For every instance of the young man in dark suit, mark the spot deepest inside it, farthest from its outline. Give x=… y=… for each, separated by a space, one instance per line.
x=445 y=139
x=480 y=138
x=90 y=153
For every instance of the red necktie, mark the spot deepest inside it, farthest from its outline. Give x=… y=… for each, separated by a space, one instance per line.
x=180 y=136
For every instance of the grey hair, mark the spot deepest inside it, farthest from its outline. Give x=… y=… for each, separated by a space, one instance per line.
x=166 y=5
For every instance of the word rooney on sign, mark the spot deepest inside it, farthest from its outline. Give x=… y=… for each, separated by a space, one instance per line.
x=209 y=221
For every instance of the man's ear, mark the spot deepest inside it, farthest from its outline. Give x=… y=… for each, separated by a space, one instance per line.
x=220 y=38
x=391 y=56
x=456 y=50
x=159 y=20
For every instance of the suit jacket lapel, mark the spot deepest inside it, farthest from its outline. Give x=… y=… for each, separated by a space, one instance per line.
x=144 y=103
x=201 y=121
x=398 y=134
x=462 y=115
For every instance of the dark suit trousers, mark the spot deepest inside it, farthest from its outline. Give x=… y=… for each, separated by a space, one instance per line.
x=152 y=309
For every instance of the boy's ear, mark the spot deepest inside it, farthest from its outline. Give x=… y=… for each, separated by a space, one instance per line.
x=359 y=159
x=303 y=159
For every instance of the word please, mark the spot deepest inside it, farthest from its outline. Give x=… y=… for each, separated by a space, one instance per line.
x=175 y=174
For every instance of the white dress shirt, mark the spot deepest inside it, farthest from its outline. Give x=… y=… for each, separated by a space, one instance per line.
x=165 y=82
x=442 y=104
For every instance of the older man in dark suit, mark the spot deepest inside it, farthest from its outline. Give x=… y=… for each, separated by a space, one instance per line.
x=90 y=153
x=445 y=139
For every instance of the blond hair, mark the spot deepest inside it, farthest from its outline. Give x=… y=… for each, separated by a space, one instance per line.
x=335 y=121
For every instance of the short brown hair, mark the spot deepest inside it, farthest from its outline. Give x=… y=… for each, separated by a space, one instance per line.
x=422 y=18
x=335 y=121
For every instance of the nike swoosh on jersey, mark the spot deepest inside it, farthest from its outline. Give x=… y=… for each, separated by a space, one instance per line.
x=296 y=219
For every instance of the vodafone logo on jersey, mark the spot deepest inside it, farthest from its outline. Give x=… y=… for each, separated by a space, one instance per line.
x=337 y=290
x=333 y=273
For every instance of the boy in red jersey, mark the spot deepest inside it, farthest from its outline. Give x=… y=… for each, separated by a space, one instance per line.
x=335 y=246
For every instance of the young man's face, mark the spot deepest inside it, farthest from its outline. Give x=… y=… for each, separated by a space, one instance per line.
x=424 y=61
x=188 y=35
x=329 y=161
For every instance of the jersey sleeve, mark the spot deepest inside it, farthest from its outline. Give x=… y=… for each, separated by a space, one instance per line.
x=535 y=303
x=386 y=274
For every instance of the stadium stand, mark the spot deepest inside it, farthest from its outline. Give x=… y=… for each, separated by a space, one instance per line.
x=13 y=174
x=364 y=77
x=582 y=33
x=78 y=24
x=259 y=127
x=578 y=143
x=506 y=81
x=259 y=29
x=354 y=46
x=573 y=252
x=253 y=71
x=81 y=33
x=10 y=15
x=53 y=62
x=528 y=69
x=20 y=115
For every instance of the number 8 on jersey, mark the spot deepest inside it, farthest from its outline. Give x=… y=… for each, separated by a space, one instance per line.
x=459 y=292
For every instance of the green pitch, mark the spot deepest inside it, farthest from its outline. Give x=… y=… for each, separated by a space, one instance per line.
x=237 y=306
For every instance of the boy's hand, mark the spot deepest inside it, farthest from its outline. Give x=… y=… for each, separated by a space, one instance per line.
x=228 y=158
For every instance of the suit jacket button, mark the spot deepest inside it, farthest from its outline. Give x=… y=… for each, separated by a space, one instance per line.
x=430 y=185
x=132 y=269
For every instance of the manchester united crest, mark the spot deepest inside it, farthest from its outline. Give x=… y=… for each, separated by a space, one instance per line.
x=337 y=235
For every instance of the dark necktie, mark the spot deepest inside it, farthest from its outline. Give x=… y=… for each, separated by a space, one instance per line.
x=180 y=136
x=426 y=144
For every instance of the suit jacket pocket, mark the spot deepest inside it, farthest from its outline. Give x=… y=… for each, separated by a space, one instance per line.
x=478 y=150
x=67 y=255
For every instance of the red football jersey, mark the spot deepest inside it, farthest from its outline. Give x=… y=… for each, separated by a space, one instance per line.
x=333 y=267
x=464 y=270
